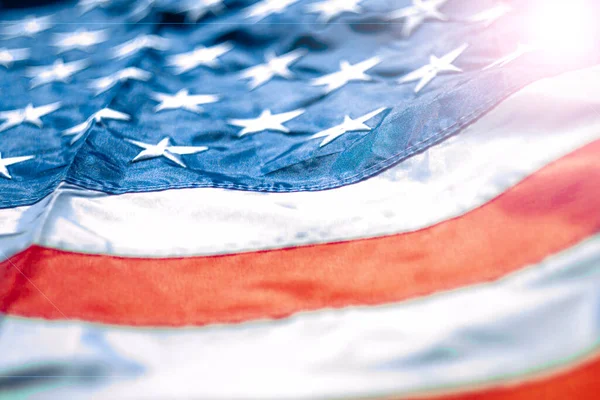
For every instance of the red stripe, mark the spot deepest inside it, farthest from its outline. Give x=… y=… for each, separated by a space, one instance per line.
x=548 y=212
x=581 y=383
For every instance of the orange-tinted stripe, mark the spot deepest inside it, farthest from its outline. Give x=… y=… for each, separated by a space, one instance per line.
x=546 y=213
x=580 y=383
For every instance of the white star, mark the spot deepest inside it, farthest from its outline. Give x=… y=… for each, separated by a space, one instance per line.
x=5 y=162
x=275 y=66
x=419 y=12
x=329 y=9
x=164 y=149
x=139 y=43
x=522 y=49
x=103 y=84
x=349 y=125
x=196 y=9
x=183 y=100
x=28 y=27
x=264 y=8
x=266 y=121
x=489 y=16
x=347 y=73
x=86 y=6
x=436 y=66
x=10 y=56
x=29 y=114
x=57 y=72
x=207 y=56
x=80 y=39
x=106 y=113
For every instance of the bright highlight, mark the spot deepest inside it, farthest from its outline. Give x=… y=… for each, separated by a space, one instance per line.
x=563 y=29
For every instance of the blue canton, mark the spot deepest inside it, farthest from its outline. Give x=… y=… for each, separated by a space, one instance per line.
x=269 y=95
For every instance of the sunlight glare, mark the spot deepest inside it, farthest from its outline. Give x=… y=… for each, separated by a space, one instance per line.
x=563 y=29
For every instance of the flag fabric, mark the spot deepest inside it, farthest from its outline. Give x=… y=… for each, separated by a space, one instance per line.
x=290 y=199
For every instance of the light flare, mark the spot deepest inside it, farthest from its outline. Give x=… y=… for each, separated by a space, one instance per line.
x=563 y=29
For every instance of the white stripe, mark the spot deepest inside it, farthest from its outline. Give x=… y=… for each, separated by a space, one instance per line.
x=526 y=322
x=19 y=226
x=534 y=127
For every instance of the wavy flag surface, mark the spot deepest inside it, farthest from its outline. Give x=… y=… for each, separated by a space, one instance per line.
x=299 y=199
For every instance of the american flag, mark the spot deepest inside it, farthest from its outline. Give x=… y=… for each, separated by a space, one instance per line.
x=299 y=199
